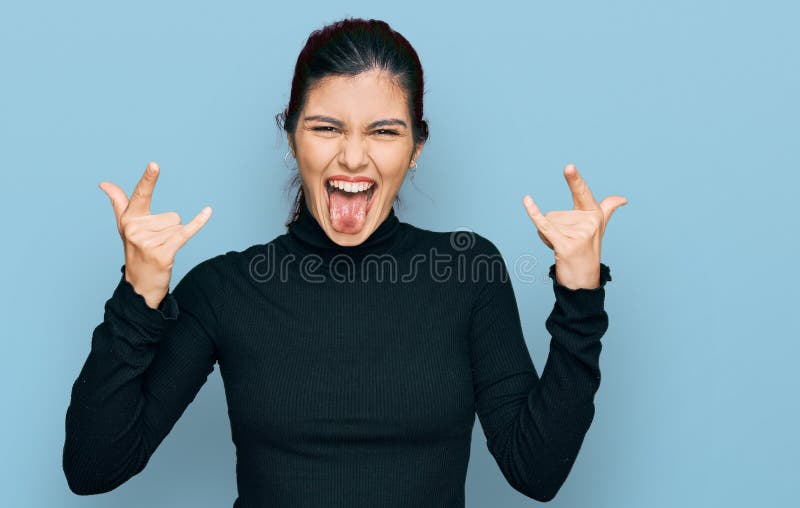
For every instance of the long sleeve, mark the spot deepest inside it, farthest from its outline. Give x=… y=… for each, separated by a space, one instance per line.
x=144 y=367
x=535 y=427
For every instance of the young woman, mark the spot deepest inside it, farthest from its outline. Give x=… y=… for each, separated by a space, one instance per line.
x=355 y=349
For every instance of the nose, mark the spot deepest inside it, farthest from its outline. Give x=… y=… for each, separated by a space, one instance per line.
x=353 y=153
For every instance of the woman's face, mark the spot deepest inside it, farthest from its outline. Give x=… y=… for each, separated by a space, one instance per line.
x=353 y=129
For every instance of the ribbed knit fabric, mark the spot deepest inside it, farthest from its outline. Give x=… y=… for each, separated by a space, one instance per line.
x=352 y=374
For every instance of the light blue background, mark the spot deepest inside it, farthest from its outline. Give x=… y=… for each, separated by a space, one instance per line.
x=687 y=108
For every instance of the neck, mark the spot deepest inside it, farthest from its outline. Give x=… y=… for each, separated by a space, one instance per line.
x=310 y=237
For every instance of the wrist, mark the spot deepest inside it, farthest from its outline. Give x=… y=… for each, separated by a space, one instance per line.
x=578 y=280
x=153 y=296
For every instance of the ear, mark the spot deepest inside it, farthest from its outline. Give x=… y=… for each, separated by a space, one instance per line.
x=292 y=147
x=417 y=151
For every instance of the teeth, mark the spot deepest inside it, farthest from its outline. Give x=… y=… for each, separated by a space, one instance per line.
x=350 y=186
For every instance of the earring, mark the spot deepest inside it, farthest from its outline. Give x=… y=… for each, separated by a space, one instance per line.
x=285 y=157
x=413 y=168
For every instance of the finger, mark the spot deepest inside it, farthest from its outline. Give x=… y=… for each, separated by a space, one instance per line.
x=162 y=221
x=159 y=238
x=140 y=198
x=119 y=201
x=187 y=231
x=582 y=230
x=581 y=195
x=565 y=217
x=545 y=240
x=609 y=205
x=545 y=227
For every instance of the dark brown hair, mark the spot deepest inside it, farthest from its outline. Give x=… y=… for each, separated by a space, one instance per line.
x=347 y=48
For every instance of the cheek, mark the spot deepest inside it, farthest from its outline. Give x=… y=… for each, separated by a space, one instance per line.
x=311 y=166
x=392 y=162
x=315 y=153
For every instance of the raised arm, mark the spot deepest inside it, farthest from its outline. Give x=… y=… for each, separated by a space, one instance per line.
x=151 y=353
x=144 y=367
x=535 y=426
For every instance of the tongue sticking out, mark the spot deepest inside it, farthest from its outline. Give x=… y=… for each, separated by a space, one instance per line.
x=348 y=210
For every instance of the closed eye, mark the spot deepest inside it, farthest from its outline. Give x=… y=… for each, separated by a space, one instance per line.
x=328 y=128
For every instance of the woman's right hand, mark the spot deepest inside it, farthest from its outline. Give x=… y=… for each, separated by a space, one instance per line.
x=150 y=241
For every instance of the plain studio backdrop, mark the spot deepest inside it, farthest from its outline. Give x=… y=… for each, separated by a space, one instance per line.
x=687 y=108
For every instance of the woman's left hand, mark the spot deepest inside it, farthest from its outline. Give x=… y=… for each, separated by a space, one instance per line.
x=575 y=235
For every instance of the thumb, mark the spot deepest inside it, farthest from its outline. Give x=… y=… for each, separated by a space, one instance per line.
x=119 y=201
x=610 y=204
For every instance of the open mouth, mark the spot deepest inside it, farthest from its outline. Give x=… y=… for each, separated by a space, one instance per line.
x=350 y=190
x=349 y=202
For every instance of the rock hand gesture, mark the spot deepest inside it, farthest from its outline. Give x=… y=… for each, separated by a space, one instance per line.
x=575 y=235
x=150 y=241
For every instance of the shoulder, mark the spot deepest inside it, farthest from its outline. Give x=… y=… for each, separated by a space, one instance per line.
x=206 y=276
x=462 y=241
x=215 y=270
x=473 y=258
x=232 y=270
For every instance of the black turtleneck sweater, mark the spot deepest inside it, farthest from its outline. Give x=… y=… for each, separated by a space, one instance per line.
x=352 y=374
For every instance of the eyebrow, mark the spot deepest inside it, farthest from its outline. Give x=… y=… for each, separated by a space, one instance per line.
x=338 y=123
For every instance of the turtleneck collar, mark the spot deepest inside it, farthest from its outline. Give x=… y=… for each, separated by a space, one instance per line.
x=309 y=235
